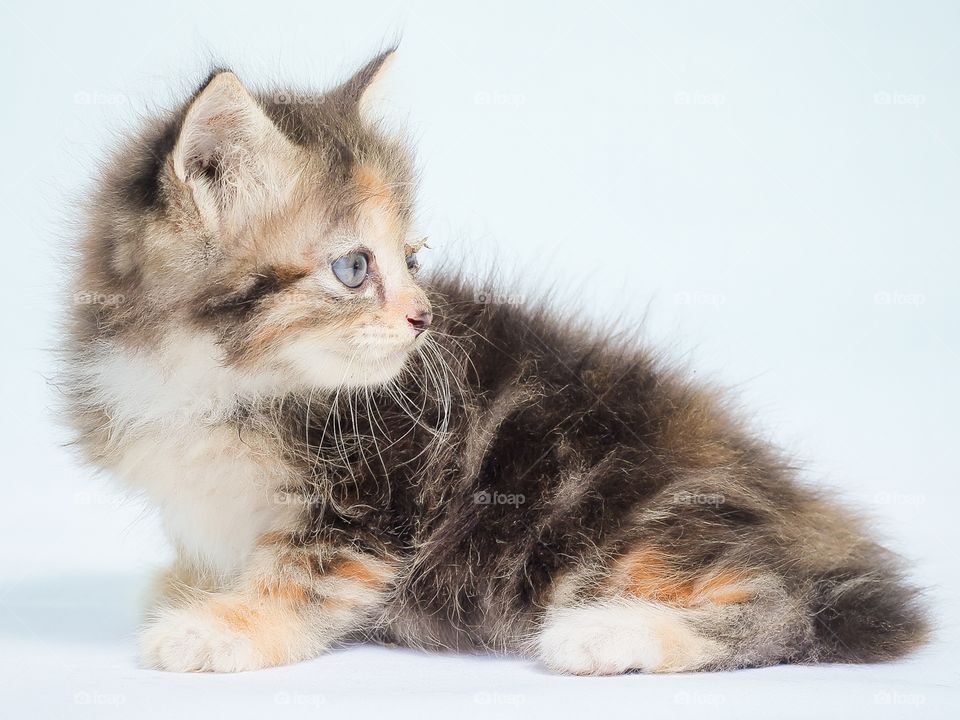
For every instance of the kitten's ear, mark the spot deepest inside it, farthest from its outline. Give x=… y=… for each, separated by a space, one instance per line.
x=361 y=92
x=230 y=156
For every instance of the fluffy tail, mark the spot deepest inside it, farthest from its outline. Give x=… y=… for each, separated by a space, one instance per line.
x=866 y=611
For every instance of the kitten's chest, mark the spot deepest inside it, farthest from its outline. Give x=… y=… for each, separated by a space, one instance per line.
x=217 y=493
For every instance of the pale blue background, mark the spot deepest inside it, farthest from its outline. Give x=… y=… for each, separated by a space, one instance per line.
x=774 y=183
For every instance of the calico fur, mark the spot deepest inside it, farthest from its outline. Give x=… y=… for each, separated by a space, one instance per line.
x=505 y=481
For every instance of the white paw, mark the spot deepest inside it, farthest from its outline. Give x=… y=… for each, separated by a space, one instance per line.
x=615 y=637
x=597 y=641
x=192 y=639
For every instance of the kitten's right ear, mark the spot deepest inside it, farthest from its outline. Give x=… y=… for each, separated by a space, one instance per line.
x=230 y=156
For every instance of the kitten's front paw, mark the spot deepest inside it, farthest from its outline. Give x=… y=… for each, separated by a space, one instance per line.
x=193 y=639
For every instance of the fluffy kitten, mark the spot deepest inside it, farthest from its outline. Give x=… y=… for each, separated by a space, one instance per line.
x=340 y=451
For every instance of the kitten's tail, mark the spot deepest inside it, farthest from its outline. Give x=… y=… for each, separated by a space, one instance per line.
x=866 y=611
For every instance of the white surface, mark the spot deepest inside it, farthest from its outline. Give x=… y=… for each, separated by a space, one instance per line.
x=775 y=183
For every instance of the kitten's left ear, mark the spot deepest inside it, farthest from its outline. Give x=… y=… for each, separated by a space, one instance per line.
x=361 y=92
x=230 y=156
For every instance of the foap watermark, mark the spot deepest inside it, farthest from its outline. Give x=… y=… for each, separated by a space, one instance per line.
x=686 y=497
x=491 y=98
x=94 y=697
x=298 y=98
x=292 y=699
x=898 y=498
x=485 y=697
x=90 y=97
x=88 y=297
x=698 y=298
x=885 y=97
x=892 y=697
x=485 y=497
x=493 y=297
x=898 y=298
x=291 y=497
x=699 y=98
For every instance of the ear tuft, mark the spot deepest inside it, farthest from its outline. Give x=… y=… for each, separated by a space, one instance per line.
x=221 y=119
x=363 y=89
x=229 y=154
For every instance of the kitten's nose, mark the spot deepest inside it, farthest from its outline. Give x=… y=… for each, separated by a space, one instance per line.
x=421 y=321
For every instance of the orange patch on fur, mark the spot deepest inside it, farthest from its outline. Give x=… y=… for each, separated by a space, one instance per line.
x=238 y=618
x=358 y=571
x=647 y=574
x=286 y=592
x=272 y=622
x=725 y=588
x=381 y=205
x=372 y=185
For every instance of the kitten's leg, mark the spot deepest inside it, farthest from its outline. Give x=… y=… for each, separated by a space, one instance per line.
x=292 y=604
x=722 y=620
x=176 y=585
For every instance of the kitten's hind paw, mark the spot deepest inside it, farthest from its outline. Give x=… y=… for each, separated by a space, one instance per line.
x=615 y=638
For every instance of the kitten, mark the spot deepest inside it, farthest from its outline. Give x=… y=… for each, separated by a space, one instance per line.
x=340 y=451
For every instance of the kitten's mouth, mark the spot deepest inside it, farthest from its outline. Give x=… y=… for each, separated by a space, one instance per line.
x=398 y=355
x=378 y=368
x=401 y=352
x=345 y=362
x=380 y=360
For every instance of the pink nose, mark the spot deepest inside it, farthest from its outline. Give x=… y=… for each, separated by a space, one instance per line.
x=421 y=321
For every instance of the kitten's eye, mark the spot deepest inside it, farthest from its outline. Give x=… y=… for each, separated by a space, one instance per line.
x=412 y=263
x=351 y=269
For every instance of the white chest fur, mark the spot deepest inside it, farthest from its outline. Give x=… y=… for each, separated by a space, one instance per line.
x=216 y=492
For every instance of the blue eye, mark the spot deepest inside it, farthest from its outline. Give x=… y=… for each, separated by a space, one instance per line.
x=351 y=269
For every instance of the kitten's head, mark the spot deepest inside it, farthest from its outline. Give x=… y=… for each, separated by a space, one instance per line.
x=274 y=227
